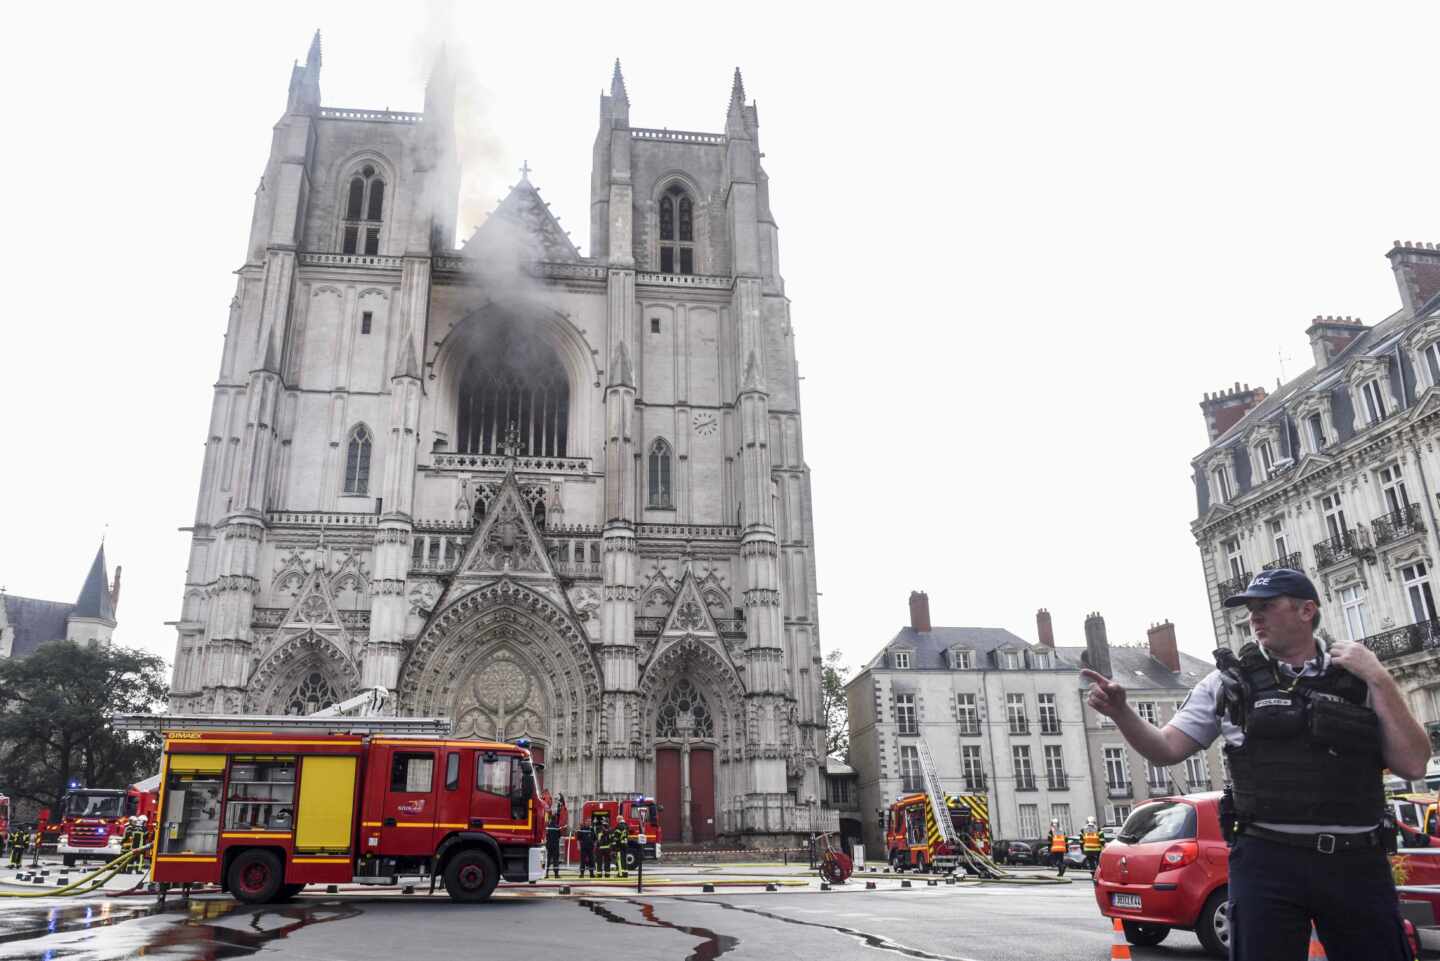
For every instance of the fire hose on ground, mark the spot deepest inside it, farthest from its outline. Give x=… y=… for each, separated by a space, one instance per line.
x=94 y=879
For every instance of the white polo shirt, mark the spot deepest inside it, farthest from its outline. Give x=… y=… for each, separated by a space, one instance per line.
x=1197 y=720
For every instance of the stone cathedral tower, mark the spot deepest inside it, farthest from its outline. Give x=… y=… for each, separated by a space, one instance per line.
x=546 y=495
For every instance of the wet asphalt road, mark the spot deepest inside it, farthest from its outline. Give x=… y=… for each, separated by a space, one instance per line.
x=991 y=923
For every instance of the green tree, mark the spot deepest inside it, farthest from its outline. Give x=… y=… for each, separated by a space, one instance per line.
x=833 y=676
x=53 y=729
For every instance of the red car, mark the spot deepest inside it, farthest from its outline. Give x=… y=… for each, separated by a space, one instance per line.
x=1169 y=868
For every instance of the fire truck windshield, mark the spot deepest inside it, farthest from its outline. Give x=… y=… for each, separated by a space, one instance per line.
x=85 y=805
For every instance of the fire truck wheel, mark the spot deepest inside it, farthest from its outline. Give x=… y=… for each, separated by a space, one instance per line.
x=471 y=876
x=288 y=891
x=255 y=877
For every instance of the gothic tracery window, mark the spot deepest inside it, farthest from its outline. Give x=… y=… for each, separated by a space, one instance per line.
x=357 y=461
x=684 y=701
x=660 y=474
x=364 y=212
x=513 y=381
x=677 y=231
x=310 y=694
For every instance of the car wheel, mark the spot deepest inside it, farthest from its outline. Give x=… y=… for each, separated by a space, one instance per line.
x=471 y=876
x=1145 y=935
x=255 y=877
x=1213 y=925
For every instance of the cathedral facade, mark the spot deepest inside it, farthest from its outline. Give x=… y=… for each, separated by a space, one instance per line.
x=545 y=495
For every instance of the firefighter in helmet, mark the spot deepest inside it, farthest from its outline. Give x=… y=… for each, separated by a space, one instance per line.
x=1059 y=844
x=19 y=839
x=619 y=839
x=552 y=849
x=603 y=844
x=1091 y=843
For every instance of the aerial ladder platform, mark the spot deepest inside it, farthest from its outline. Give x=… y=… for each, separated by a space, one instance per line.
x=360 y=714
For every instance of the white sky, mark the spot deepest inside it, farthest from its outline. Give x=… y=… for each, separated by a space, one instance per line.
x=1021 y=241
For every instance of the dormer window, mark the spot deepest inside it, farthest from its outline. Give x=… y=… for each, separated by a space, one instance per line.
x=1040 y=660
x=1009 y=660
x=1374 y=401
x=1431 y=357
x=1221 y=476
x=1315 y=432
x=962 y=659
x=900 y=660
x=677 y=231
x=364 y=212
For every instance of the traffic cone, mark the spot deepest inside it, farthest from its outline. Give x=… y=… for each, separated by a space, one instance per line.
x=1119 y=947
x=1317 y=950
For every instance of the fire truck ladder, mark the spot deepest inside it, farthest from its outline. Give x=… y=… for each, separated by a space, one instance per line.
x=356 y=715
x=938 y=826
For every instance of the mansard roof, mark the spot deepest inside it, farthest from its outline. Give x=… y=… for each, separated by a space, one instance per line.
x=930 y=647
x=1138 y=671
x=35 y=622
x=522 y=228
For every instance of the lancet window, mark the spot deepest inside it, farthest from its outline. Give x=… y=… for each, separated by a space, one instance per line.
x=660 y=474
x=513 y=383
x=357 y=461
x=364 y=212
x=677 y=231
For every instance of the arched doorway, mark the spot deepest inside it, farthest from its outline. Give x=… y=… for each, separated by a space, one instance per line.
x=685 y=764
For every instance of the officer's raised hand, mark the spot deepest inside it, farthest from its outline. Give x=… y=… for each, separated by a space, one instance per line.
x=1106 y=696
x=1357 y=659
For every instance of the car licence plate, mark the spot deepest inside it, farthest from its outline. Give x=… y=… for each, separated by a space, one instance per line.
x=1125 y=900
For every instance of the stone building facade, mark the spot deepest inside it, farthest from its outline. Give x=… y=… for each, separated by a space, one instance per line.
x=1000 y=716
x=548 y=495
x=1336 y=473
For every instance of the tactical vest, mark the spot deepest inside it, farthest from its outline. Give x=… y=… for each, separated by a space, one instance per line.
x=1312 y=747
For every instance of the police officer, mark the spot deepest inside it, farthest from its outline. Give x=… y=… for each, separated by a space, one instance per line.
x=619 y=839
x=1059 y=845
x=602 y=846
x=1091 y=844
x=1307 y=735
x=586 y=839
x=552 y=849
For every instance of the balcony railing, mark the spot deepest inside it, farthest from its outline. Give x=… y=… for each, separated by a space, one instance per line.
x=1233 y=586
x=1341 y=547
x=1410 y=639
x=1025 y=783
x=975 y=783
x=1115 y=789
x=1160 y=788
x=1293 y=561
x=1394 y=525
x=1199 y=784
x=1058 y=782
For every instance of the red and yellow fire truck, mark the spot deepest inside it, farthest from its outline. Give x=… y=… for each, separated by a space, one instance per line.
x=4 y=815
x=913 y=840
x=642 y=817
x=93 y=820
x=265 y=813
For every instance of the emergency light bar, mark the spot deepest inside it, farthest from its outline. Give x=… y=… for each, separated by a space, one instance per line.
x=160 y=723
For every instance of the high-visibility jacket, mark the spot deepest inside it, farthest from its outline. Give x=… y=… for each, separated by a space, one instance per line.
x=1059 y=843
x=1090 y=842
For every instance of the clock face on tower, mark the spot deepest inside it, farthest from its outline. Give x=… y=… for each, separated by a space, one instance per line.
x=705 y=424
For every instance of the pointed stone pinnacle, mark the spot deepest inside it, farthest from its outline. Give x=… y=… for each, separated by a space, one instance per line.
x=617 y=84
x=312 y=59
x=737 y=89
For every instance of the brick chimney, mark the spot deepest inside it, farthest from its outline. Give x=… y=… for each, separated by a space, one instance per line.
x=920 y=612
x=1224 y=408
x=1331 y=335
x=1417 y=271
x=1163 y=647
x=1042 y=625
x=1097 y=645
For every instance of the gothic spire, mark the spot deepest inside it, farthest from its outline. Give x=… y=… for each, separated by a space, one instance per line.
x=737 y=88
x=617 y=84
x=735 y=125
x=94 y=599
x=312 y=59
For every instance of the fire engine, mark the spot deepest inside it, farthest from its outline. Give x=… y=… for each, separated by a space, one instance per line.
x=265 y=806
x=93 y=820
x=930 y=829
x=4 y=816
x=914 y=839
x=642 y=817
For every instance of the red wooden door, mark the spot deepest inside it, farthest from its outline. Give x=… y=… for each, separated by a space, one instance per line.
x=667 y=792
x=702 y=793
